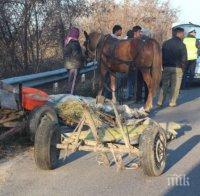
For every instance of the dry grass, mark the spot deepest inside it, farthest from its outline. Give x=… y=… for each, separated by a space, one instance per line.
x=71 y=112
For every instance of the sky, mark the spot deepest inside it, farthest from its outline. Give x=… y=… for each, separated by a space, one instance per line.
x=189 y=11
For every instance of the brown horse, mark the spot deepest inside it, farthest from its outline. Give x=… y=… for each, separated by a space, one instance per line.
x=122 y=55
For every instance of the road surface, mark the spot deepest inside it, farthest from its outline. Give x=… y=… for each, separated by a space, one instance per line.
x=81 y=175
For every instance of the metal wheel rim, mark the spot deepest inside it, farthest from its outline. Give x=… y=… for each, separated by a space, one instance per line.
x=159 y=150
x=54 y=151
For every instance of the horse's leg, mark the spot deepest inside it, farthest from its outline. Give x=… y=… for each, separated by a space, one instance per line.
x=113 y=87
x=101 y=79
x=148 y=79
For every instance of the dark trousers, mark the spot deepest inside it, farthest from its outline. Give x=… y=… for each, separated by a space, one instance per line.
x=106 y=86
x=189 y=73
x=131 y=80
x=140 y=87
x=120 y=85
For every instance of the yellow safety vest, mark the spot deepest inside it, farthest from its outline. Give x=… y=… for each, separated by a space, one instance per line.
x=190 y=43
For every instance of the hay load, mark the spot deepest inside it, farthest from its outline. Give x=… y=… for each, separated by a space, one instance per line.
x=70 y=112
x=70 y=108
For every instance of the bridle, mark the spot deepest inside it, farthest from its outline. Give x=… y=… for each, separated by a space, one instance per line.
x=97 y=52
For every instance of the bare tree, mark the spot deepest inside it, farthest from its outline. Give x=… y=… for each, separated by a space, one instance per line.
x=151 y=14
x=32 y=31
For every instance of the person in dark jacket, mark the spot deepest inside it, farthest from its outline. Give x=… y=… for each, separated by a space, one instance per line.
x=139 y=82
x=131 y=75
x=174 y=58
x=116 y=33
x=73 y=57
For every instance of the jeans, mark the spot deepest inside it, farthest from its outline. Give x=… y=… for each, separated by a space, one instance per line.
x=140 y=86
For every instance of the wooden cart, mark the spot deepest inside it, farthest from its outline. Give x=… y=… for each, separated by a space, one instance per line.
x=16 y=117
x=108 y=136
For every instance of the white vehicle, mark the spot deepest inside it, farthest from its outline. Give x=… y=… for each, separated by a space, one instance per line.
x=187 y=28
x=197 y=70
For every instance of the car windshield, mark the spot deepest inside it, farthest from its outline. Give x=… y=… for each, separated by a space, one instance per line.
x=197 y=29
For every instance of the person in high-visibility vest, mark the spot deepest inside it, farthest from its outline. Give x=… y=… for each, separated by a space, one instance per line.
x=192 y=53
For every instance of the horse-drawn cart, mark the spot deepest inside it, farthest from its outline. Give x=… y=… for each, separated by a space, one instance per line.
x=107 y=130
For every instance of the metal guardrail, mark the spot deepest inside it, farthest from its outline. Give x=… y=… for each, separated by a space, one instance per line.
x=47 y=77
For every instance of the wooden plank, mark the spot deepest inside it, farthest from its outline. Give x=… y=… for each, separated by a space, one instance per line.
x=110 y=134
x=99 y=148
x=11 y=117
x=12 y=131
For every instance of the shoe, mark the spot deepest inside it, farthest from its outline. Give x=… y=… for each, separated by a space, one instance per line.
x=172 y=105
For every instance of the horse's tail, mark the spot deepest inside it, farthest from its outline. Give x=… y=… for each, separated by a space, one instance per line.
x=156 y=69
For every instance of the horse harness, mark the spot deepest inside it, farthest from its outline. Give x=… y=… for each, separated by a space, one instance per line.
x=111 y=55
x=99 y=52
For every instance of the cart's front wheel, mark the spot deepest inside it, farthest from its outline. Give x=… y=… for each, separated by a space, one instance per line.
x=36 y=116
x=153 y=144
x=47 y=137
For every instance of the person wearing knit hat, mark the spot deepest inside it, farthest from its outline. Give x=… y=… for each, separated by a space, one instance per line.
x=73 y=57
x=72 y=35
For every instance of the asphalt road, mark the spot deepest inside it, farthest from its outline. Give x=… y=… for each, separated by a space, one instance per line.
x=81 y=175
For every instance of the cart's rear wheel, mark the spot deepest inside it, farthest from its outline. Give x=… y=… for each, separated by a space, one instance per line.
x=152 y=146
x=37 y=115
x=46 y=138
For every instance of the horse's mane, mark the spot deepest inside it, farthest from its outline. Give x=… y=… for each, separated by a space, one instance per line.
x=94 y=33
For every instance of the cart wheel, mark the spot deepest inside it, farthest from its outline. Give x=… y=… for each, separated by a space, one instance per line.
x=152 y=146
x=46 y=138
x=35 y=118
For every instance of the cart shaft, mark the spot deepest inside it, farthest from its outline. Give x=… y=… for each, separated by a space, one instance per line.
x=117 y=148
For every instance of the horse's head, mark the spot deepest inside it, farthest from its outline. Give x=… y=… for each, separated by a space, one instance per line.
x=91 y=42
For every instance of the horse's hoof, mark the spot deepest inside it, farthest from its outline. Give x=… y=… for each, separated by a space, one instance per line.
x=148 y=109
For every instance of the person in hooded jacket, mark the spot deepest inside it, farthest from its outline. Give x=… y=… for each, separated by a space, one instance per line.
x=73 y=57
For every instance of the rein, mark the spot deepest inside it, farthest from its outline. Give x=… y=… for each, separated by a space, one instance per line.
x=97 y=58
x=95 y=53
